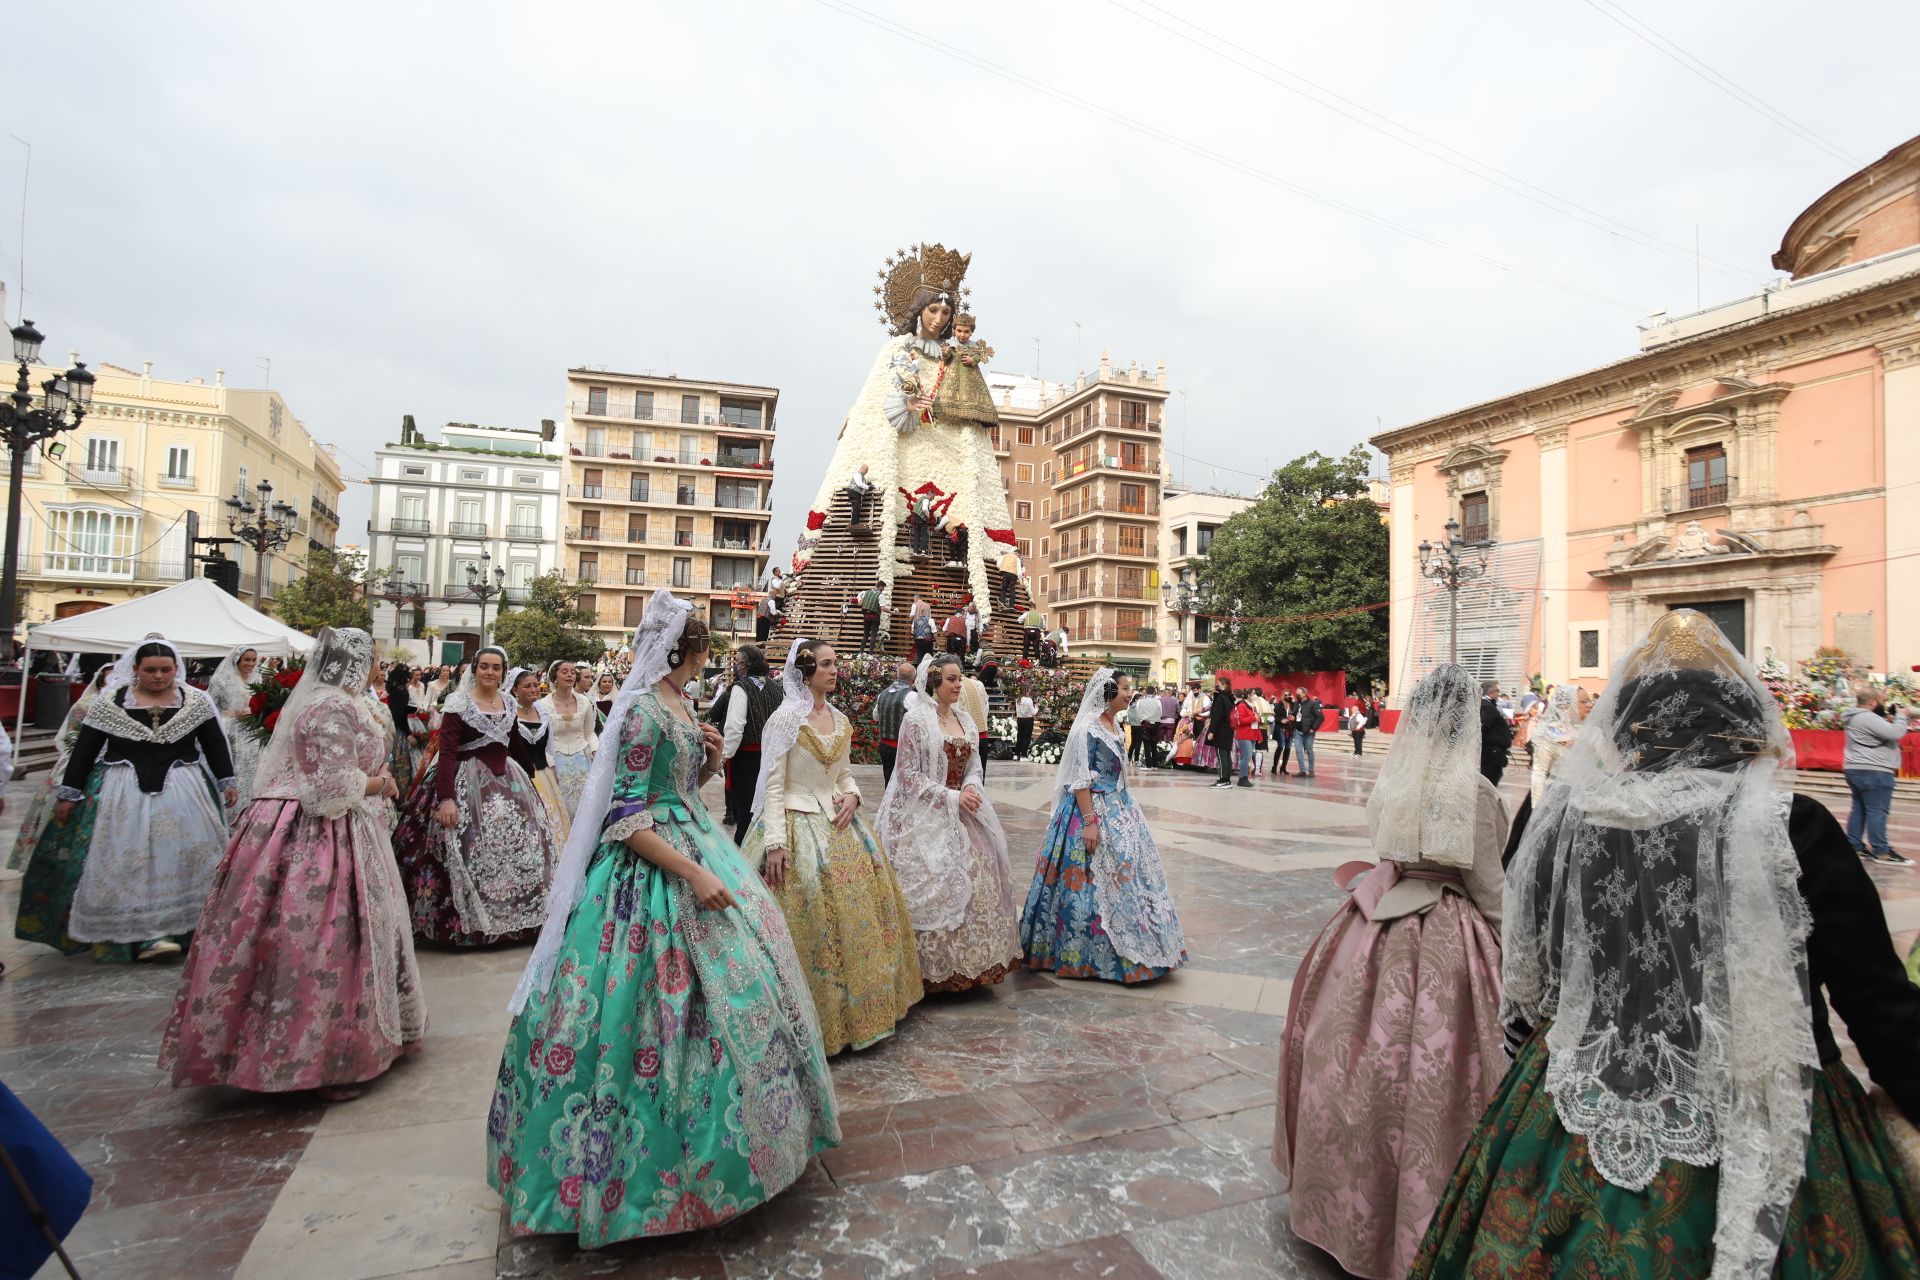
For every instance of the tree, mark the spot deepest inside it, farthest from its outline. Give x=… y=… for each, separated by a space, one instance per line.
x=1313 y=543
x=550 y=626
x=331 y=593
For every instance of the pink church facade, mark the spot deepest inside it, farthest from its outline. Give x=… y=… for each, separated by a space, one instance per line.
x=1758 y=460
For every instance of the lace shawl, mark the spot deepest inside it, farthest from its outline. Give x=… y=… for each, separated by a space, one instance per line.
x=1425 y=804
x=920 y=823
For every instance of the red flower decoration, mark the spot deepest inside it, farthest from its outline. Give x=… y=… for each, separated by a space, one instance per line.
x=257 y=703
x=640 y=757
x=606 y=936
x=646 y=1062
x=273 y=718
x=534 y=1051
x=559 y=1060
x=719 y=1054
x=288 y=679
x=506 y=1169
x=815 y=519
x=570 y=1191
x=637 y=937
x=1001 y=535
x=615 y=1192
x=674 y=972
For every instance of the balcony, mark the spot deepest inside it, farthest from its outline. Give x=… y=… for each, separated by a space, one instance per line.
x=591 y=491
x=1109 y=633
x=1697 y=497
x=610 y=493
x=317 y=507
x=168 y=480
x=516 y=595
x=1103 y=547
x=406 y=524
x=588 y=574
x=743 y=460
x=669 y=414
x=86 y=565
x=1093 y=504
x=104 y=477
x=526 y=533
x=743 y=502
x=1071 y=471
x=29 y=465
x=1149 y=425
x=636 y=577
x=1102 y=586
x=466 y=529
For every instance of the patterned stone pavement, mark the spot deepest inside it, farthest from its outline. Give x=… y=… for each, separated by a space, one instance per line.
x=1054 y=1129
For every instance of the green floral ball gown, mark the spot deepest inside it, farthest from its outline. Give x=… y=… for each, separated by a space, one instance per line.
x=670 y=1076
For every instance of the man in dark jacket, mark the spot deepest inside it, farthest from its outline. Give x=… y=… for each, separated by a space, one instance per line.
x=889 y=709
x=749 y=702
x=1496 y=735
x=1220 y=729
x=1308 y=712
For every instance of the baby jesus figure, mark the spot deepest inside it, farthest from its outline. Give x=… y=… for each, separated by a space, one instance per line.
x=963 y=394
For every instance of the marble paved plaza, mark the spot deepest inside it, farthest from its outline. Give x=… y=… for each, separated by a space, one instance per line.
x=1044 y=1129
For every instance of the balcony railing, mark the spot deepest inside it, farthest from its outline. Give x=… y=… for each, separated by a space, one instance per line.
x=747 y=459
x=317 y=507
x=1104 y=587
x=466 y=529
x=526 y=533
x=592 y=490
x=29 y=466
x=170 y=481
x=1094 y=504
x=104 y=477
x=405 y=524
x=741 y=502
x=516 y=595
x=587 y=573
x=632 y=411
x=636 y=577
x=1111 y=634
x=111 y=568
x=610 y=493
x=1693 y=497
x=1074 y=470
x=1104 y=547
x=1108 y=422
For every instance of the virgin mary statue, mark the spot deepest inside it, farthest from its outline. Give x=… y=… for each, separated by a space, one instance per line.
x=916 y=427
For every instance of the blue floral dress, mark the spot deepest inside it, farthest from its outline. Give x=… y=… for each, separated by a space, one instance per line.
x=1108 y=914
x=671 y=1075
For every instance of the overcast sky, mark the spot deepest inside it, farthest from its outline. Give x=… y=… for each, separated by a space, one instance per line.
x=435 y=209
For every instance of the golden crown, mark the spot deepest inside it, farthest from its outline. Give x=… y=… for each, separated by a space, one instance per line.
x=908 y=271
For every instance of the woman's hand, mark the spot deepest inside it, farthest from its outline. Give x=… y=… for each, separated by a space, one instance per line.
x=230 y=795
x=447 y=815
x=64 y=810
x=843 y=806
x=1090 y=833
x=711 y=738
x=708 y=891
x=970 y=799
x=920 y=403
x=775 y=871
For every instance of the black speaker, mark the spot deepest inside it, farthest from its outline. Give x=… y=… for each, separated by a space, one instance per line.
x=225 y=573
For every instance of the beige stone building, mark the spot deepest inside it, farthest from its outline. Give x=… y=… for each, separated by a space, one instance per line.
x=669 y=483
x=1081 y=462
x=106 y=519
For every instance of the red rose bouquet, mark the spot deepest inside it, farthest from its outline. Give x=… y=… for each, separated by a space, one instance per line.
x=270 y=693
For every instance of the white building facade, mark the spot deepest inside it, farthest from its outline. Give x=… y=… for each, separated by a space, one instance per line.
x=481 y=497
x=1188 y=519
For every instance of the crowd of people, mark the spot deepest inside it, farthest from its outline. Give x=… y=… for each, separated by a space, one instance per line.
x=1589 y=1037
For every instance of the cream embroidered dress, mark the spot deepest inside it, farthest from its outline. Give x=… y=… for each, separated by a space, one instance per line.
x=570 y=750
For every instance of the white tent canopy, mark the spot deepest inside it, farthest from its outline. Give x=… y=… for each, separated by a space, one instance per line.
x=195 y=616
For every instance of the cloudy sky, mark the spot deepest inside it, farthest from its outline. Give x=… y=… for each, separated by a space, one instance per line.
x=1323 y=218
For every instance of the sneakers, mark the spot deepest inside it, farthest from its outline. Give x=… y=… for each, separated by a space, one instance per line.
x=1896 y=858
x=1222 y=782
x=1244 y=783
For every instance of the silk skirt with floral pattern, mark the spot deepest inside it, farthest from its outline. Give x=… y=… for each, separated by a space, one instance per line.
x=1526 y=1202
x=1392 y=1048
x=305 y=974
x=670 y=1077
x=1061 y=929
x=485 y=880
x=850 y=926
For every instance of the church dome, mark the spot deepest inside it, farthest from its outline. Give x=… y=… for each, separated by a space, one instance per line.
x=1872 y=212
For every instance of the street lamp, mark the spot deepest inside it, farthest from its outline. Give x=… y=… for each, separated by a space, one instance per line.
x=265 y=526
x=1452 y=562
x=1181 y=599
x=65 y=399
x=478 y=585
x=396 y=593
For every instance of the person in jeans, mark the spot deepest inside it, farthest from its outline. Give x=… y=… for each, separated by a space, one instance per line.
x=1308 y=713
x=1871 y=763
x=1246 y=736
x=1285 y=720
x=1357 y=726
x=872 y=601
x=1220 y=729
x=1169 y=719
x=1023 y=713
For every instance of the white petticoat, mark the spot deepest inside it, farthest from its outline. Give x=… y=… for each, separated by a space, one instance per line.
x=153 y=857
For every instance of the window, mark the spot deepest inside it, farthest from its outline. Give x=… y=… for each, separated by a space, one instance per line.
x=683 y=491
x=412 y=568
x=642 y=445
x=683 y=571
x=1046 y=508
x=683 y=531
x=1474 y=517
x=405 y=471
x=596 y=442
x=729 y=573
x=1133 y=413
x=596 y=400
x=590 y=526
x=1023 y=548
x=589 y=603
x=638 y=488
x=634 y=608
x=642 y=409
x=1131 y=624
x=1133 y=497
x=526 y=518
x=1023 y=471
x=589 y=566
x=743 y=413
x=1589 y=650
x=1133 y=455
x=1043 y=545
x=103 y=456
x=473 y=473
x=1202 y=629
x=1026 y=435
x=240 y=484
x=467 y=524
x=690 y=409
x=1707 y=476
x=1023 y=511
x=179 y=464
x=689 y=449
x=733 y=535
x=1129 y=583
x=520 y=573
x=1046 y=472
x=1133 y=540
x=1180 y=543
x=529 y=478
x=636 y=571
x=1045 y=579
x=90 y=541
x=590 y=482
x=1203 y=538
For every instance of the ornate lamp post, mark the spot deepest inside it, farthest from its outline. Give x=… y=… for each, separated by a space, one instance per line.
x=397 y=593
x=1450 y=563
x=64 y=401
x=1181 y=599
x=478 y=584
x=264 y=525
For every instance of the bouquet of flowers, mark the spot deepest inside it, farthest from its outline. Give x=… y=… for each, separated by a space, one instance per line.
x=270 y=693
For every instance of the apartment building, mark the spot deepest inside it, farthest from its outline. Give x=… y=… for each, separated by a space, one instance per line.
x=669 y=483
x=1188 y=521
x=479 y=498
x=106 y=507
x=1081 y=462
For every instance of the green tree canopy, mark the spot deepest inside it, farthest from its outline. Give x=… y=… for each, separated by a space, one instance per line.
x=1312 y=543
x=331 y=593
x=550 y=626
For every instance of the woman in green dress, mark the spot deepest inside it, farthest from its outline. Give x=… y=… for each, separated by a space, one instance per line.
x=664 y=1070
x=1673 y=916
